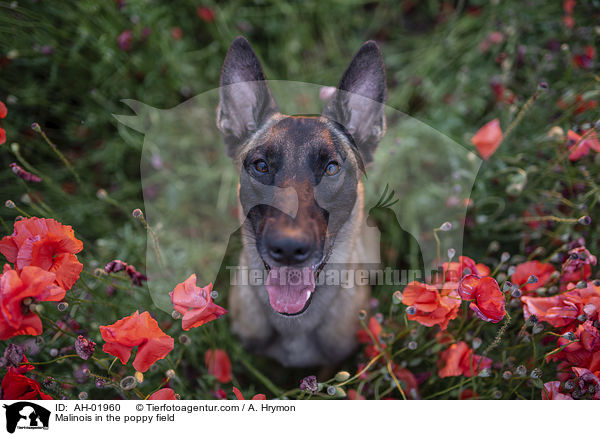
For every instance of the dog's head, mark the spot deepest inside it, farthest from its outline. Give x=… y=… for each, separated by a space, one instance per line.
x=299 y=175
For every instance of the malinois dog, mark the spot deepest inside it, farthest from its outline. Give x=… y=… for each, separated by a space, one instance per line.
x=301 y=207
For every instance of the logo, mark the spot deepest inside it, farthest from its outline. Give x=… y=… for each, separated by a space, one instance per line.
x=26 y=415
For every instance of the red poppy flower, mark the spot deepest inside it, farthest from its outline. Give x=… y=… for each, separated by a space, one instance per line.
x=205 y=14
x=459 y=359
x=373 y=349
x=523 y=271
x=454 y=271
x=353 y=395
x=489 y=300
x=578 y=147
x=239 y=395
x=3 y=113
x=31 y=282
x=551 y=391
x=563 y=309
x=15 y=358
x=176 y=33
x=47 y=244
x=163 y=394
x=578 y=265
x=579 y=104
x=502 y=94
x=433 y=307
x=218 y=364
x=408 y=381
x=468 y=394
x=582 y=350
x=195 y=304
x=585 y=60
x=16 y=386
x=488 y=139
x=137 y=330
x=587 y=380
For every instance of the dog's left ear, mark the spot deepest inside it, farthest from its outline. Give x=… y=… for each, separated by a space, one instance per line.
x=358 y=103
x=245 y=99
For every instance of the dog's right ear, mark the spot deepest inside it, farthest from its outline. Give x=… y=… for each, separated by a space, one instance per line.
x=245 y=99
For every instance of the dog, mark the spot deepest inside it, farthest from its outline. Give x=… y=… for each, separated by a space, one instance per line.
x=301 y=207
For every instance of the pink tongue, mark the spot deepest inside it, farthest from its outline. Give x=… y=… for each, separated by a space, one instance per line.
x=290 y=288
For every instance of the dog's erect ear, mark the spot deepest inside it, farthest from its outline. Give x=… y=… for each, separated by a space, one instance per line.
x=245 y=99
x=358 y=104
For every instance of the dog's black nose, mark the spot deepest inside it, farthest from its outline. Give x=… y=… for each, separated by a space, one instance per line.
x=288 y=250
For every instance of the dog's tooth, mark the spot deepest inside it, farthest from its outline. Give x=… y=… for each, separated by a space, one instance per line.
x=307 y=296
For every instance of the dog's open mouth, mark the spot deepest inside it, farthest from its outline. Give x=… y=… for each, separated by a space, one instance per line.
x=291 y=289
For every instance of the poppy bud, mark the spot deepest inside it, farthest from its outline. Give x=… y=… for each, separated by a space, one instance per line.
x=542 y=86
x=497 y=395
x=538 y=328
x=476 y=343
x=139 y=377
x=521 y=370
x=504 y=257
x=62 y=306
x=362 y=314
x=581 y=285
x=445 y=227
x=342 y=376
x=511 y=270
x=532 y=279
x=485 y=372
x=507 y=375
x=506 y=286
x=582 y=317
x=536 y=373
x=83 y=395
x=137 y=213
x=411 y=310
x=214 y=295
x=128 y=383
x=170 y=373
x=516 y=293
x=53 y=352
x=397 y=297
x=331 y=390
x=451 y=253
x=176 y=315
x=9 y=204
x=100 y=383
x=585 y=220
x=36 y=127
x=412 y=345
x=101 y=194
x=184 y=340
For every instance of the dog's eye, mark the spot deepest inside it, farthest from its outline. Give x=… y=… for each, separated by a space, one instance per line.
x=261 y=166
x=332 y=169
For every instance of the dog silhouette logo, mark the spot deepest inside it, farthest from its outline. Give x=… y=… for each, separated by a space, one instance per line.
x=26 y=415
